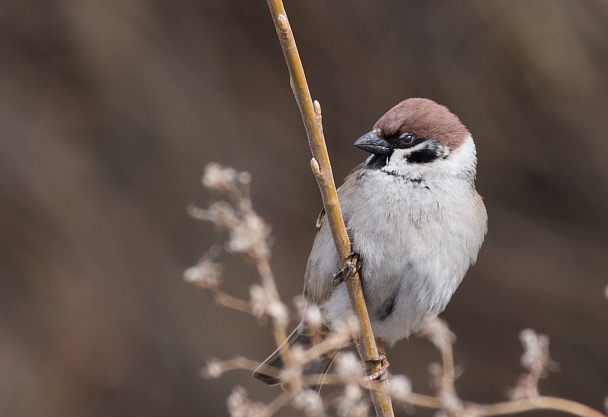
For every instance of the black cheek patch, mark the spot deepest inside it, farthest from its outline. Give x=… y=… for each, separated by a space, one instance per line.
x=423 y=156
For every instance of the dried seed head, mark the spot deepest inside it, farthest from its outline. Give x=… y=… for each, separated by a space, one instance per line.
x=248 y=232
x=351 y=404
x=259 y=301
x=249 y=235
x=244 y=178
x=437 y=331
x=262 y=306
x=300 y=304
x=536 y=356
x=206 y=274
x=346 y=328
x=278 y=313
x=219 y=178
x=239 y=405
x=291 y=376
x=222 y=215
x=298 y=355
x=310 y=402
x=313 y=317
x=400 y=388
x=214 y=369
x=349 y=368
x=537 y=360
x=353 y=392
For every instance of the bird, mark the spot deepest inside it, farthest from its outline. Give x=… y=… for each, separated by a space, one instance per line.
x=415 y=220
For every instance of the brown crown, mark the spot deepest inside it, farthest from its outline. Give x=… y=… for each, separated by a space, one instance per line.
x=425 y=119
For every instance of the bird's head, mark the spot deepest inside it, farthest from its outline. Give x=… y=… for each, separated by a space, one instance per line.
x=414 y=133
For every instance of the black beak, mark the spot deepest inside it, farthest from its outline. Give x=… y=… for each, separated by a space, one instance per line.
x=373 y=143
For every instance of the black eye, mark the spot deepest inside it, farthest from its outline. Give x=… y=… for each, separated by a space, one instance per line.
x=407 y=138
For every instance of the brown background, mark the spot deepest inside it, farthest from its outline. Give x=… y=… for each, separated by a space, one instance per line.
x=109 y=111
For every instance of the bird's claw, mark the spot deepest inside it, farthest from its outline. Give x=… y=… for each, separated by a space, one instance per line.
x=353 y=264
x=382 y=373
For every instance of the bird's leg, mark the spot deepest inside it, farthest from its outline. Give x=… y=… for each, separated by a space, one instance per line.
x=380 y=374
x=353 y=263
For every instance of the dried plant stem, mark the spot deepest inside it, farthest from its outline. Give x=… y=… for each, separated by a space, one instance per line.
x=234 y=303
x=279 y=330
x=276 y=404
x=511 y=407
x=238 y=362
x=448 y=365
x=248 y=235
x=545 y=403
x=426 y=401
x=311 y=116
x=434 y=402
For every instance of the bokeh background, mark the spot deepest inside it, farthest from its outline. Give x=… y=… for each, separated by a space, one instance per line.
x=110 y=110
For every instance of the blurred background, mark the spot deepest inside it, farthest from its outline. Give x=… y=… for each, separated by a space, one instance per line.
x=110 y=110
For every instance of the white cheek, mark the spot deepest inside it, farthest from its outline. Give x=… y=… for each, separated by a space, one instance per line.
x=460 y=160
x=399 y=157
x=398 y=164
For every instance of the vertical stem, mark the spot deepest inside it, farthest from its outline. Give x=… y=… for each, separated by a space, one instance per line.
x=321 y=167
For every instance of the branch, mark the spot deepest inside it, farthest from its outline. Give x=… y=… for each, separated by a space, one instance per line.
x=311 y=116
x=539 y=403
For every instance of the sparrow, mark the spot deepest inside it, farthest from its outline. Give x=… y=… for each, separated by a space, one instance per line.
x=414 y=219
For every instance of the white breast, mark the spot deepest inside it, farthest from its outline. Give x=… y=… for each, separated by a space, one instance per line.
x=417 y=232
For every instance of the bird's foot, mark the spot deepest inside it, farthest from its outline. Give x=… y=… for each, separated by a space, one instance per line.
x=382 y=368
x=353 y=264
x=382 y=373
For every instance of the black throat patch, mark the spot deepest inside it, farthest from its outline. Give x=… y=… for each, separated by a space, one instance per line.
x=376 y=162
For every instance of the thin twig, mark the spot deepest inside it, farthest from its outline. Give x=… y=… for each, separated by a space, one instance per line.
x=232 y=302
x=311 y=116
x=545 y=403
x=216 y=368
x=279 y=328
x=511 y=407
x=277 y=403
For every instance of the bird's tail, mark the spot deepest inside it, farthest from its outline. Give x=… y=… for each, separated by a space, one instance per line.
x=315 y=370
